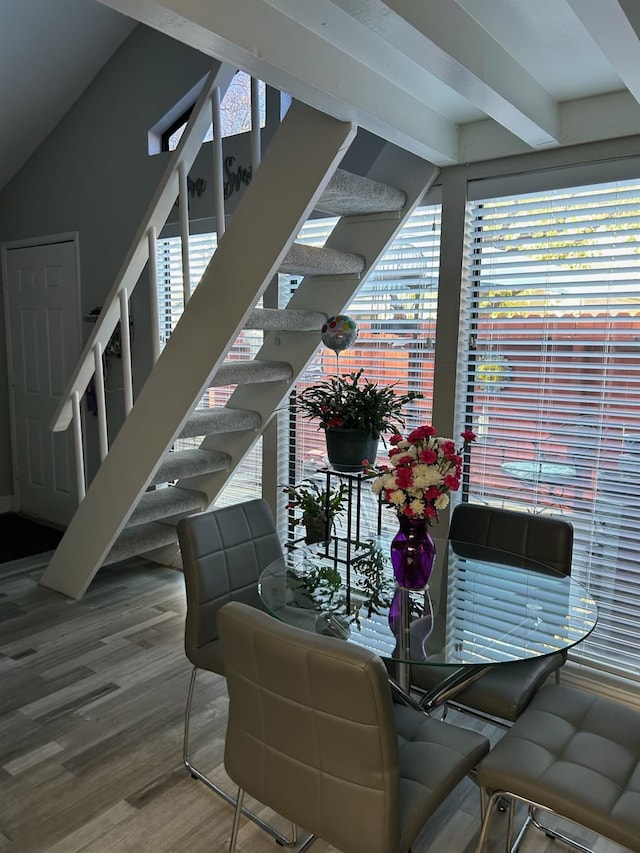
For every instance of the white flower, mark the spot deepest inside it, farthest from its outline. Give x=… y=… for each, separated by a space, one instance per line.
x=425 y=476
x=417 y=506
x=441 y=502
x=397 y=497
x=377 y=486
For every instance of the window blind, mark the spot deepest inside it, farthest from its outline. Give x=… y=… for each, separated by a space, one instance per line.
x=552 y=383
x=247 y=479
x=395 y=310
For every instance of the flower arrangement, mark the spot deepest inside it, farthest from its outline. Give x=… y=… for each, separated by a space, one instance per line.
x=424 y=469
x=351 y=401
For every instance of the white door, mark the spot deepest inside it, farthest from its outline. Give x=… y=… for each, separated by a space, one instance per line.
x=43 y=333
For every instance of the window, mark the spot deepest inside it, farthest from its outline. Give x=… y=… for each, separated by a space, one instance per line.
x=395 y=310
x=247 y=479
x=236 y=113
x=552 y=383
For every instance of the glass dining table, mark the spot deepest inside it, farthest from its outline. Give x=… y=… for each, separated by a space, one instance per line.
x=482 y=607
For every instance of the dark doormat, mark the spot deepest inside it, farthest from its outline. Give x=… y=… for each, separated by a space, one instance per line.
x=21 y=537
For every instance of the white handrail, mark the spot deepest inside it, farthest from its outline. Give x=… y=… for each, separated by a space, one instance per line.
x=138 y=255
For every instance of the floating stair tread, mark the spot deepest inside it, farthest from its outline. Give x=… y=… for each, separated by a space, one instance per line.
x=316 y=260
x=140 y=539
x=250 y=371
x=164 y=503
x=220 y=419
x=352 y=195
x=190 y=463
x=284 y=320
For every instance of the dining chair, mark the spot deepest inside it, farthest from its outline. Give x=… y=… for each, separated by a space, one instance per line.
x=223 y=553
x=313 y=733
x=523 y=539
x=575 y=755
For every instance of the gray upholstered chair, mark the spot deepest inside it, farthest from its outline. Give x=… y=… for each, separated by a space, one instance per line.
x=515 y=538
x=576 y=755
x=314 y=734
x=223 y=553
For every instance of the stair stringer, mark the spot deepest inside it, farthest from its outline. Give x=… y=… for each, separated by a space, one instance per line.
x=310 y=146
x=369 y=235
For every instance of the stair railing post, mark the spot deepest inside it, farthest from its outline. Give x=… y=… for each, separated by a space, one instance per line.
x=154 y=322
x=183 y=204
x=81 y=484
x=101 y=401
x=125 y=345
x=218 y=172
x=256 y=140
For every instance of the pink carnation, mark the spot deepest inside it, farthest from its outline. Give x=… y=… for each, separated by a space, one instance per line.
x=448 y=447
x=421 y=433
x=428 y=457
x=468 y=435
x=451 y=482
x=395 y=438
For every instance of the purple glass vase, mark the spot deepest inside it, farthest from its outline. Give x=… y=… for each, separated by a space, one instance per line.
x=413 y=552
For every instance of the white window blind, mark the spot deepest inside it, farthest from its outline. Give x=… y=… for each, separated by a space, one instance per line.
x=395 y=310
x=246 y=480
x=552 y=384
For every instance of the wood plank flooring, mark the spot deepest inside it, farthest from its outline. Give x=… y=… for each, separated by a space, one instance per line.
x=92 y=697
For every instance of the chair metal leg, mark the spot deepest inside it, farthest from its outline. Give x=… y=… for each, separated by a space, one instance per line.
x=486 y=821
x=236 y=820
x=531 y=819
x=228 y=798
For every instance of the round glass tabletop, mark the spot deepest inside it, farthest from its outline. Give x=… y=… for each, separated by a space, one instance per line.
x=481 y=606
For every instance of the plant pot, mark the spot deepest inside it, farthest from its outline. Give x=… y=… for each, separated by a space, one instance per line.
x=317 y=529
x=347 y=448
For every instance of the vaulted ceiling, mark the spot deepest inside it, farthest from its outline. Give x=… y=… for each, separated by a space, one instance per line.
x=49 y=52
x=452 y=80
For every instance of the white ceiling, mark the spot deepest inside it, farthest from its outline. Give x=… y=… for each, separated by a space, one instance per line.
x=452 y=80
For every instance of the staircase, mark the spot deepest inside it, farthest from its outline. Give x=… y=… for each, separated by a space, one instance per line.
x=118 y=516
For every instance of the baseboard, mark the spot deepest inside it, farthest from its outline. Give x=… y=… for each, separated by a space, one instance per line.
x=7 y=503
x=615 y=687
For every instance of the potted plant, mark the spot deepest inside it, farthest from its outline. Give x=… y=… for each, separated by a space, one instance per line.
x=354 y=413
x=319 y=508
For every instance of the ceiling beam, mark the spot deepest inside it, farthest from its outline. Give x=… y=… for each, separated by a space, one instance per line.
x=274 y=47
x=614 y=25
x=448 y=43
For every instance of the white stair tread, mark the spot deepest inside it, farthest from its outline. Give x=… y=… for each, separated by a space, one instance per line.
x=285 y=320
x=316 y=260
x=220 y=419
x=140 y=539
x=190 y=463
x=352 y=195
x=165 y=503
x=247 y=372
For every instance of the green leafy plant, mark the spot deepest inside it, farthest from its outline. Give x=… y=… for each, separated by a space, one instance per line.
x=311 y=498
x=376 y=584
x=353 y=402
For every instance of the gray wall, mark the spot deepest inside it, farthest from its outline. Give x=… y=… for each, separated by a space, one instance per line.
x=93 y=175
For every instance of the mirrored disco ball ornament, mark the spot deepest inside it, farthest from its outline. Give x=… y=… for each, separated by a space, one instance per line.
x=339 y=332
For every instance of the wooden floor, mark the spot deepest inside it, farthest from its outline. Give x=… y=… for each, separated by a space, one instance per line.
x=92 y=697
